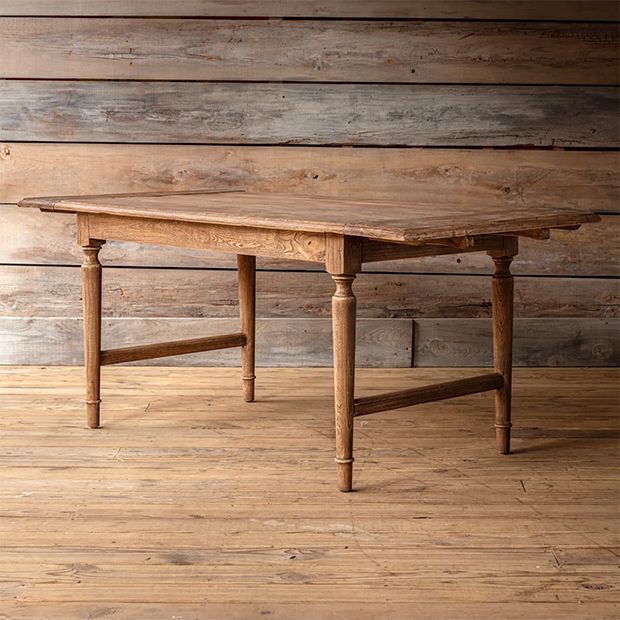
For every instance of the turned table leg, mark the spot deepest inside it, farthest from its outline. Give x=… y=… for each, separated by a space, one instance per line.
x=502 y=299
x=343 y=326
x=247 y=312
x=343 y=259
x=91 y=293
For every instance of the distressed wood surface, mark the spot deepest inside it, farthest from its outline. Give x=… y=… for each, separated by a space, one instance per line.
x=573 y=48
x=54 y=291
x=280 y=342
x=587 y=180
x=307 y=342
x=239 y=214
x=537 y=342
x=323 y=51
x=184 y=500
x=603 y=10
x=35 y=238
x=268 y=113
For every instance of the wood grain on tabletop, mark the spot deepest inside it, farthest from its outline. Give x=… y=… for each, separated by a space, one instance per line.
x=391 y=221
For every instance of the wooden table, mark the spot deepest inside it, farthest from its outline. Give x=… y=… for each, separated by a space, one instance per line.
x=341 y=234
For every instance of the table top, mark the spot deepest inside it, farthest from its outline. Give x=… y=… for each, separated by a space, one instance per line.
x=374 y=219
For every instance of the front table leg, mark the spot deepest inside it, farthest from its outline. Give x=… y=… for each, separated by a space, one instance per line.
x=343 y=329
x=91 y=294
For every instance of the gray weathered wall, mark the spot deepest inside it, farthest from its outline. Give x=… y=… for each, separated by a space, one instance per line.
x=465 y=100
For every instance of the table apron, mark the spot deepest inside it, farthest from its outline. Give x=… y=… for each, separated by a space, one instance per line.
x=252 y=241
x=273 y=243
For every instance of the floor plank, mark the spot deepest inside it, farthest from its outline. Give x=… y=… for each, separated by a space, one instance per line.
x=190 y=503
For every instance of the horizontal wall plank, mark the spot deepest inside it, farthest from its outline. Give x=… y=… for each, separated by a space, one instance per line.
x=537 y=342
x=263 y=113
x=28 y=236
x=587 y=180
x=279 y=342
x=307 y=342
x=324 y=51
x=453 y=9
x=55 y=291
x=592 y=250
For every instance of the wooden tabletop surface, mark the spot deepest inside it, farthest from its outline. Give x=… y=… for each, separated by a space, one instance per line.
x=374 y=219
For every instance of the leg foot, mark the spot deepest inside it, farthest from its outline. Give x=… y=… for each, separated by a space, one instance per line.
x=92 y=413
x=502 y=438
x=345 y=475
x=248 y=389
x=247 y=312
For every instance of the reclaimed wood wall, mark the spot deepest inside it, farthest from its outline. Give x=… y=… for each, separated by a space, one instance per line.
x=466 y=100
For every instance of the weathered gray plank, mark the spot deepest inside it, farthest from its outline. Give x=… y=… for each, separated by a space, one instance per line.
x=307 y=342
x=28 y=236
x=324 y=51
x=586 y=180
x=453 y=9
x=55 y=291
x=263 y=113
x=537 y=342
x=279 y=342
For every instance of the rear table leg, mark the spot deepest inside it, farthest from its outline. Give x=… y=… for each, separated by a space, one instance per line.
x=502 y=297
x=247 y=313
x=91 y=293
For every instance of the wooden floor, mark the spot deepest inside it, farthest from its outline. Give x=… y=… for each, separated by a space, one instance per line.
x=191 y=504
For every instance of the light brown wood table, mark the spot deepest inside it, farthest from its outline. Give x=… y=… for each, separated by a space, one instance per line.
x=341 y=234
